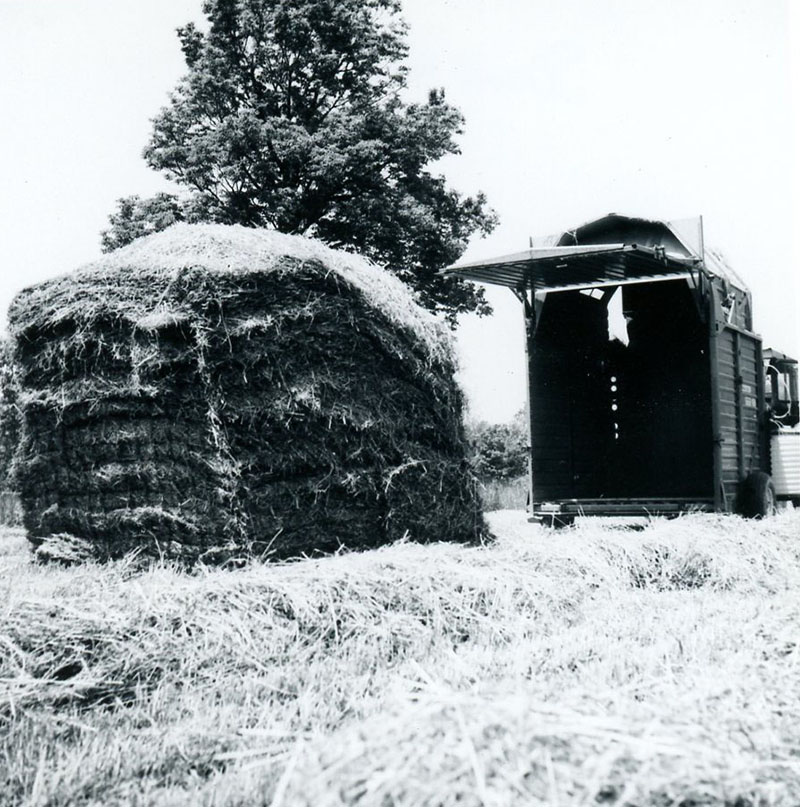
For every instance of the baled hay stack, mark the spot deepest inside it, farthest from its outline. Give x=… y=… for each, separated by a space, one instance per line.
x=214 y=391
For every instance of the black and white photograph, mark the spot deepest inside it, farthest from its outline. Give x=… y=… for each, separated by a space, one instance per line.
x=399 y=403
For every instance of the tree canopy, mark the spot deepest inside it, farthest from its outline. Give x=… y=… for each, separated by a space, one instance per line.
x=292 y=115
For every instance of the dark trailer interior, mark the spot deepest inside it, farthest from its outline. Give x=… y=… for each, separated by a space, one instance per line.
x=645 y=381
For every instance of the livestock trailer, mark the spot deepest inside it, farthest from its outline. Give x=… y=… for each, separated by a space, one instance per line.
x=648 y=389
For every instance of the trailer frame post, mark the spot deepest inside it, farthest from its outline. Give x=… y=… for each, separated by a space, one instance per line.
x=765 y=460
x=529 y=314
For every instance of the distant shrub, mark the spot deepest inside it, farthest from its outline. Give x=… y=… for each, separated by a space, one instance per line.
x=499 y=455
x=9 y=414
x=499 y=450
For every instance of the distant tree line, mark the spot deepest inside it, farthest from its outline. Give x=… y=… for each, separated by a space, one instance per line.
x=499 y=450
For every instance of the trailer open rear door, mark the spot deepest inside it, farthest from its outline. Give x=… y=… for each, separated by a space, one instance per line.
x=663 y=414
x=579 y=267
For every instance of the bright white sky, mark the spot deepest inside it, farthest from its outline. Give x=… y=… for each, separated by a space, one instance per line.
x=575 y=108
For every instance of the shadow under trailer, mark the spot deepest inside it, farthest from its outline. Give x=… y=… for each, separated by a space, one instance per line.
x=648 y=391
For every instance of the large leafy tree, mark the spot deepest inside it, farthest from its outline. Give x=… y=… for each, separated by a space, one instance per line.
x=292 y=116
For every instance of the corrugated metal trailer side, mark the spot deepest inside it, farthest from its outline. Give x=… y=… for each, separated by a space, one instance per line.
x=737 y=379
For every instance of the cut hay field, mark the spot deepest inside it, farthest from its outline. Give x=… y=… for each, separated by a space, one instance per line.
x=592 y=666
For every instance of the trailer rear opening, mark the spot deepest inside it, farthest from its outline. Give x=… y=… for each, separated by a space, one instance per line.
x=646 y=380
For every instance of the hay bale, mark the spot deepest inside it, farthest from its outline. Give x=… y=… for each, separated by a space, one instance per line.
x=213 y=391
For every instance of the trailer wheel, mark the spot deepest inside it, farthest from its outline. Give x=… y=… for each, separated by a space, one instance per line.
x=557 y=522
x=757 y=496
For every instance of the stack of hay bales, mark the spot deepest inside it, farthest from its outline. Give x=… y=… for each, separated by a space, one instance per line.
x=210 y=392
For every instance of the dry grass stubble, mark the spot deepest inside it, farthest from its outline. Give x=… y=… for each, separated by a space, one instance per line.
x=593 y=665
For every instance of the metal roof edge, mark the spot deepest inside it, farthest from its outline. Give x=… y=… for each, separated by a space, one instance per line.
x=544 y=253
x=532 y=254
